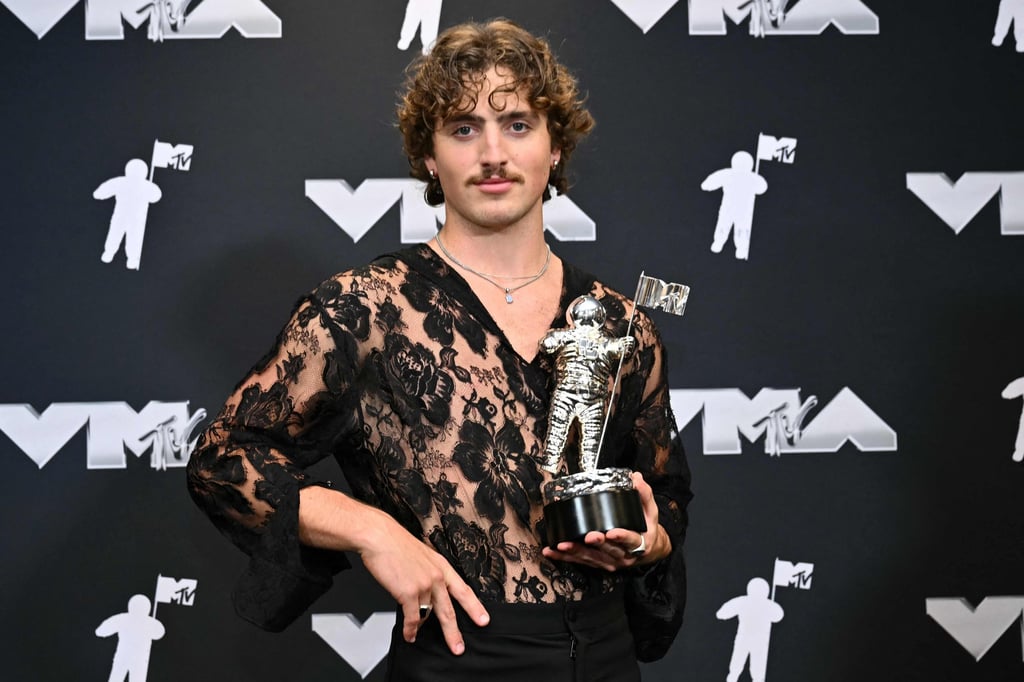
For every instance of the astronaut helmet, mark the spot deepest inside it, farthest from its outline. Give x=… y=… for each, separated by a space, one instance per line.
x=586 y=311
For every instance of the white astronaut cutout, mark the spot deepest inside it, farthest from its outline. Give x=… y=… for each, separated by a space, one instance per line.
x=132 y=194
x=740 y=185
x=1010 y=12
x=424 y=15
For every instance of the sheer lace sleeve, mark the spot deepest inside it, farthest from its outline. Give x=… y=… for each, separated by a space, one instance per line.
x=650 y=444
x=293 y=409
x=659 y=451
x=642 y=428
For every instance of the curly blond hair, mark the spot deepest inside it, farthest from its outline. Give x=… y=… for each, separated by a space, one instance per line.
x=447 y=80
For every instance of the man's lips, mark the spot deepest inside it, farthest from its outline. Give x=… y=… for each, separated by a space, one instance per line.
x=495 y=184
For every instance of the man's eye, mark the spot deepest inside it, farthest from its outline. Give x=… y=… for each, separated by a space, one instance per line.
x=519 y=127
x=463 y=130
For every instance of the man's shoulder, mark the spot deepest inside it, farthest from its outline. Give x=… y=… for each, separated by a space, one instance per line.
x=384 y=266
x=383 y=273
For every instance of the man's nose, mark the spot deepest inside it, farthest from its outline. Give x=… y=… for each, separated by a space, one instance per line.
x=492 y=152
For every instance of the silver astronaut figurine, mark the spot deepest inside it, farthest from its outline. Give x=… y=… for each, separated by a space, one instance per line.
x=586 y=358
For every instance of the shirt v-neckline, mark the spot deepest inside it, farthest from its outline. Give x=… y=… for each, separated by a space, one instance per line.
x=428 y=263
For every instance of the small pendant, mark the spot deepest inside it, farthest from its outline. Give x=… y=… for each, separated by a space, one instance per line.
x=508 y=296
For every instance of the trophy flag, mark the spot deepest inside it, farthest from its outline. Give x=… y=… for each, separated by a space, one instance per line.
x=656 y=294
x=652 y=292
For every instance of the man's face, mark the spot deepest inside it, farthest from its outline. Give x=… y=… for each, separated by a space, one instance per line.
x=493 y=161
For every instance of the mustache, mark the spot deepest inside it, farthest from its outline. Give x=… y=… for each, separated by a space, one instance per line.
x=500 y=173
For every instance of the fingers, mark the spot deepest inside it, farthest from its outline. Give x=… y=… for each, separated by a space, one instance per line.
x=631 y=543
x=467 y=599
x=445 y=613
x=600 y=550
x=438 y=603
x=420 y=580
x=587 y=558
x=411 y=619
x=645 y=490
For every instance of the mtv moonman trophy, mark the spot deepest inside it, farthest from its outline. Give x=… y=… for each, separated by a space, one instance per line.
x=592 y=499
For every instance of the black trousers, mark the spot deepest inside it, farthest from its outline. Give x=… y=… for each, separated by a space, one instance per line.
x=586 y=641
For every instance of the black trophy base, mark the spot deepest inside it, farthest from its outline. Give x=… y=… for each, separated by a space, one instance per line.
x=570 y=519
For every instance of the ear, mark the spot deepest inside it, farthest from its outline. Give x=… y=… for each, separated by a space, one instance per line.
x=431 y=165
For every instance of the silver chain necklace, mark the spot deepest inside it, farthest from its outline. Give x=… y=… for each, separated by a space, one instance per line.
x=530 y=279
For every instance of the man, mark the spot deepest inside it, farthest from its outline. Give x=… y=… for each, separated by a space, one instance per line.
x=421 y=374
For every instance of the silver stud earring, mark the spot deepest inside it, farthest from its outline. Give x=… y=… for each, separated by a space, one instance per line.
x=433 y=173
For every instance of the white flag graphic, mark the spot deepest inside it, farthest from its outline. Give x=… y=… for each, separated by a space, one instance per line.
x=776 y=148
x=176 y=156
x=171 y=591
x=793 y=575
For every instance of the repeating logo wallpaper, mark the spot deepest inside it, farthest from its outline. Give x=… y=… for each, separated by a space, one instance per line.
x=828 y=418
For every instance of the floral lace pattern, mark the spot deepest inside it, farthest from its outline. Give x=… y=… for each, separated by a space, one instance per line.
x=398 y=372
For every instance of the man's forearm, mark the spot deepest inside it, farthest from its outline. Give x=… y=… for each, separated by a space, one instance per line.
x=330 y=519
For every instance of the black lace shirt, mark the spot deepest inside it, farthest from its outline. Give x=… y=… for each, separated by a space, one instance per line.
x=398 y=372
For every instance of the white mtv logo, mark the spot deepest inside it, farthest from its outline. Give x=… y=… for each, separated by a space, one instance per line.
x=103 y=18
x=113 y=427
x=958 y=202
x=779 y=415
x=804 y=17
x=976 y=629
x=357 y=210
x=361 y=646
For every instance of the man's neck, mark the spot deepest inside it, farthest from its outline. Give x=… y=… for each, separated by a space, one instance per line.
x=514 y=251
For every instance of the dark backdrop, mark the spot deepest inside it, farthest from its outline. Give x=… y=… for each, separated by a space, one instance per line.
x=852 y=282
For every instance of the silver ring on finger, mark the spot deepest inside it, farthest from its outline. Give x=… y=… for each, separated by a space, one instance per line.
x=640 y=549
x=425 y=610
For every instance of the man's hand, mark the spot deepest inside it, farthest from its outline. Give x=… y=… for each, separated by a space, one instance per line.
x=417 y=576
x=613 y=549
x=409 y=569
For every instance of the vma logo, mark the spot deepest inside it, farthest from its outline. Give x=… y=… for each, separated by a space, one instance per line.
x=167 y=19
x=976 y=629
x=114 y=429
x=362 y=646
x=956 y=203
x=355 y=211
x=767 y=17
x=779 y=415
